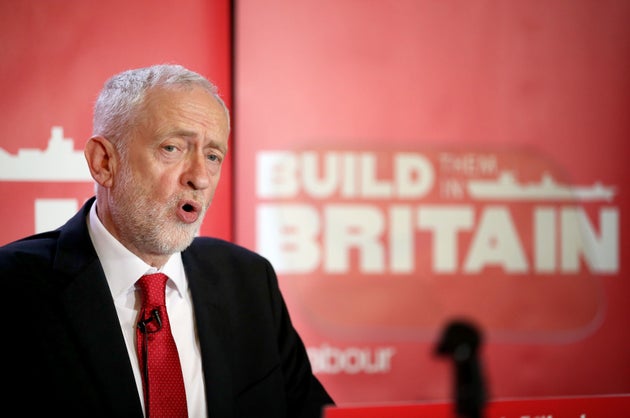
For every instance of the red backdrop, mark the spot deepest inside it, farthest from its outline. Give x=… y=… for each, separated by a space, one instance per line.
x=55 y=57
x=402 y=163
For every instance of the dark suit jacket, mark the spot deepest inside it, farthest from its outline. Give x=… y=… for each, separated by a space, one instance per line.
x=65 y=354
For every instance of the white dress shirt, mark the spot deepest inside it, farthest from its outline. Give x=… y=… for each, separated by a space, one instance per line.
x=122 y=270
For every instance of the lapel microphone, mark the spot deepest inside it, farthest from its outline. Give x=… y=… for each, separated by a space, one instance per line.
x=155 y=316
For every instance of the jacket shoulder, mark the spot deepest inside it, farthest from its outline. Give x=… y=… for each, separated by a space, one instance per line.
x=29 y=249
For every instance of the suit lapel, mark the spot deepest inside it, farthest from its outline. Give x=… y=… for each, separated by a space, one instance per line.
x=214 y=334
x=93 y=320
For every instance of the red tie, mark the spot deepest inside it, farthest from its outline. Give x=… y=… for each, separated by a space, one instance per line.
x=164 y=393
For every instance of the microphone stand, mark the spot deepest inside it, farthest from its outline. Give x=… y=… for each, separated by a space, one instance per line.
x=460 y=342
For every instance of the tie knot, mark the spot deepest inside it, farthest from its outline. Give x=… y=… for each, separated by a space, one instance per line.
x=153 y=288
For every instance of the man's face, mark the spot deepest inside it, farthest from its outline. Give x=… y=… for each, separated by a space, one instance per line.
x=166 y=181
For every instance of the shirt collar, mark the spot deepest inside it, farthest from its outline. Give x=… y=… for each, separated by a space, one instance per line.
x=123 y=268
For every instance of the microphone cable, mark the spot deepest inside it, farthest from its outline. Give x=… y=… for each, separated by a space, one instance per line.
x=142 y=326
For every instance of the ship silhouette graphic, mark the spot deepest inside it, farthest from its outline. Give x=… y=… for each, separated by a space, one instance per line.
x=507 y=187
x=59 y=162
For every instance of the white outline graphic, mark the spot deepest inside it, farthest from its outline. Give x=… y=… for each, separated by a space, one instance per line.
x=506 y=187
x=59 y=162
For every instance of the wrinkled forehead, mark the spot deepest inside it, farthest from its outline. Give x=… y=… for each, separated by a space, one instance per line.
x=180 y=95
x=185 y=113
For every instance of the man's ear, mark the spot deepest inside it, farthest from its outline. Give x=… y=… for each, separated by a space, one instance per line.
x=101 y=157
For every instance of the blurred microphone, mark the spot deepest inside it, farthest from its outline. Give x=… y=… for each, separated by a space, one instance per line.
x=460 y=341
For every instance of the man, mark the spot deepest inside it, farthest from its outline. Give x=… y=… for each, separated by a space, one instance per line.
x=72 y=302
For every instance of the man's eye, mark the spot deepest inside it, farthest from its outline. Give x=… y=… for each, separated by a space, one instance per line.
x=213 y=157
x=169 y=148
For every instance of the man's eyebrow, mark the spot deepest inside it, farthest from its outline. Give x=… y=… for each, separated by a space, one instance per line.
x=217 y=145
x=184 y=133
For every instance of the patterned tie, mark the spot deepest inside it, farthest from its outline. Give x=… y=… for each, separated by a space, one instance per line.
x=164 y=394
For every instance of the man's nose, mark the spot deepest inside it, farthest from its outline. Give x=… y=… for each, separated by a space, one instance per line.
x=196 y=174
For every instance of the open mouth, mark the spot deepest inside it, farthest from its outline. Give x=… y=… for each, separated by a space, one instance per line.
x=188 y=211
